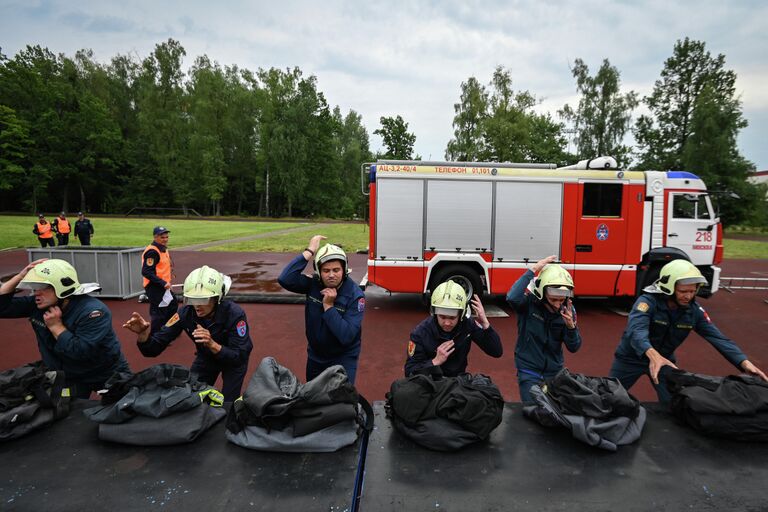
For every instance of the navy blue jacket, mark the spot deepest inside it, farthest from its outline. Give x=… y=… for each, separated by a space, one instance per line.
x=88 y=351
x=427 y=336
x=334 y=334
x=228 y=328
x=541 y=333
x=653 y=324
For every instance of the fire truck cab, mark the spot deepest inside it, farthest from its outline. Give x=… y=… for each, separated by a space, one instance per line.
x=482 y=224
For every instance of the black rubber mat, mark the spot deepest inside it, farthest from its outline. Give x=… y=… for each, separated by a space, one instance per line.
x=527 y=467
x=66 y=468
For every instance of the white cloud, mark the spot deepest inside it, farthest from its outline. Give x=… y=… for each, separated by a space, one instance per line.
x=409 y=58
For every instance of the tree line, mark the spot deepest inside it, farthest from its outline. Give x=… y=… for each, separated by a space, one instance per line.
x=105 y=137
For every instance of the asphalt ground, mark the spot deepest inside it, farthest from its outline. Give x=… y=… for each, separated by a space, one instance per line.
x=277 y=329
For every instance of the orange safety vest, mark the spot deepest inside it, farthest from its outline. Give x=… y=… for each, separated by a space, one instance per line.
x=163 y=267
x=63 y=226
x=44 y=230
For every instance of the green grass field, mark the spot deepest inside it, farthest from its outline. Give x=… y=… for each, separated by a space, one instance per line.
x=121 y=232
x=16 y=231
x=352 y=237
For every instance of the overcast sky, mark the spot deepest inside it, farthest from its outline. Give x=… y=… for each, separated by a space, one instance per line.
x=392 y=58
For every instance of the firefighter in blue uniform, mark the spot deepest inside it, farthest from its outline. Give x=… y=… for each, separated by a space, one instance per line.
x=661 y=319
x=218 y=327
x=334 y=308
x=74 y=331
x=546 y=320
x=157 y=272
x=440 y=344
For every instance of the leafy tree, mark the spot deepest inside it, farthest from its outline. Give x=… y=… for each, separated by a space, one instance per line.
x=398 y=141
x=468 y=123
x=14 y=148
x=696 y=118
x=603 y=116
x=513 y=131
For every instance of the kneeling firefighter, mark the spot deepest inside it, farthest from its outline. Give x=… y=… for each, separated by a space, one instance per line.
x=73 y=330
x=218 y=327
x=440 y=344
x=546 y=320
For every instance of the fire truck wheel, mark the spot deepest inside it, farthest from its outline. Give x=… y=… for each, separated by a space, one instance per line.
x=462 y=274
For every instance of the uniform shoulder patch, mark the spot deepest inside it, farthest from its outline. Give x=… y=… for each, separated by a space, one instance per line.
x=150 y=262
x=643 y=307
x=411 y=348
x=172 y=320
x=242 y=328
x=361 y=305
x=95 y=313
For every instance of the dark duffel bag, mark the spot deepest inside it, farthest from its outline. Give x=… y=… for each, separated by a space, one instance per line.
x=31 y=397
x=162 y=405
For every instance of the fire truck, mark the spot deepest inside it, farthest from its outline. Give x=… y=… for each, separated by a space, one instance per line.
x=483 y=224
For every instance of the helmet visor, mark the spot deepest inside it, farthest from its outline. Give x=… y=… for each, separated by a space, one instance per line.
x=447 y=312
x=27 y=285
x=558 y=291
x=197 y=301
x=692 y=280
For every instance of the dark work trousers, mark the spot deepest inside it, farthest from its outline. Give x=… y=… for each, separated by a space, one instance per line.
x=84 y=240
x=349 y=363
x=232 y=376
x=46 y=241
x=63 y=238
x=628 y=371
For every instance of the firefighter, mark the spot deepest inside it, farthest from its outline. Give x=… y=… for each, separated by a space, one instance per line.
x=218 y=327
x=83 y=229
x=62 y=228
x=660 y=320
x=157 y=269
x=44 y=231
x=546 y=320
x=440 y=344
x=334 y=308
x=74 y=331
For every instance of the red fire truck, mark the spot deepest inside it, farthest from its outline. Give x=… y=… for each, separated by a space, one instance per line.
x=482 y=224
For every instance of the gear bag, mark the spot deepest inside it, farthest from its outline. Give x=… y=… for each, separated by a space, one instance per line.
x=31 y=397
x=278 y=413
x=162 y=405
x=734 y=407
x=598 y=411
x=445 y=414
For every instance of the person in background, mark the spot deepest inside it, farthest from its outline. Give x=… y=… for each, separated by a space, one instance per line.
x=157 y=271
x=83 y=229
x=44 y=232
x=62 y=228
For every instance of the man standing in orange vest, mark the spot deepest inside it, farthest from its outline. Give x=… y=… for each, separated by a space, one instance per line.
x=44 y=231
x=62 y=228
x=157 y=270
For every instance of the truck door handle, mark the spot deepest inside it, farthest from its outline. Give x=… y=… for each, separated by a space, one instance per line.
x=583 y=248
x=708 y=228
x=672 y=234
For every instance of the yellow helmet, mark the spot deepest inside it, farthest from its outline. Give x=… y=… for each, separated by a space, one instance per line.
x=330 y=252
x=554 y=279
x=59 y=274
x=203 y=283
x=678 y=272
x=449 y=298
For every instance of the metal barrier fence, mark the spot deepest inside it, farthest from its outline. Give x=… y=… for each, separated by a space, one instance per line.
x=744 y=283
